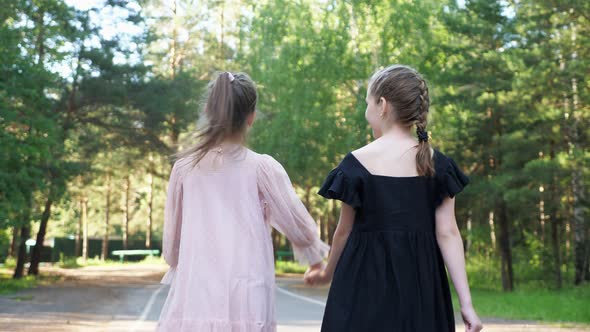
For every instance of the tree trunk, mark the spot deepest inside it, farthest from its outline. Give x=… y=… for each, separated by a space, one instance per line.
x=492 y=229
x=505 y=248
x=84 y=228
x=78 y=248
x=22 y=250
x=13 y=240
x=105 y=239
x=148 y=236
x=580 y=241
x=581 y=246
x=36 y=254
x=469 y=234
x=556 y=252
x=276 y=240
x=126 y=212
x=555 y=220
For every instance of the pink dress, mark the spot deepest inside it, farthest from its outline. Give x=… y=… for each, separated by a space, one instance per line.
x=217 y=241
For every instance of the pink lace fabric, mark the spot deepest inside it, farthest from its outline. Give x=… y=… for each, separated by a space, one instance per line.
x=217 y=241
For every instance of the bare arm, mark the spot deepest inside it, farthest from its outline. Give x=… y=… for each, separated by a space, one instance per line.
x=347 y=215
x=451 y=246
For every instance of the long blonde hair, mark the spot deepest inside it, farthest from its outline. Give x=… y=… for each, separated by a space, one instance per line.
x=230 y=99
x=407 y=92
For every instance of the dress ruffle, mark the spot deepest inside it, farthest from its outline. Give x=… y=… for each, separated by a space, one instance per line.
x=339 y=186
x=212 y=325
x=451 y=180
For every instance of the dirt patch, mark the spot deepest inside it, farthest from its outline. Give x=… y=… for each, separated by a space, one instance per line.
x=93 y=298
x=126 y=274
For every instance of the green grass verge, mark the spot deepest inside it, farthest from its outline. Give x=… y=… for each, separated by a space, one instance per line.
x=9 y=285
x=566 y=305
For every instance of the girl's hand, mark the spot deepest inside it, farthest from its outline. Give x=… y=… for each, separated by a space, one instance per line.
x=317 y=277
x=313 y=268
x=472 y=322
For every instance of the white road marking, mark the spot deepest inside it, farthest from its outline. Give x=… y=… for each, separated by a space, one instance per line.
x=147 y=309
x=303 y=298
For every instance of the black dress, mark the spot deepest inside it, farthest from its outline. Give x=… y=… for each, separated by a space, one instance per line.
x=391 y=275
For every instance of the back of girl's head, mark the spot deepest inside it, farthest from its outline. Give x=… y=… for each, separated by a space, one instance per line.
x=230 y=99
x=406 y=91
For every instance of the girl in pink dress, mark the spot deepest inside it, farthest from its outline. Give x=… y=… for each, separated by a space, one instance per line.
x=222 y=201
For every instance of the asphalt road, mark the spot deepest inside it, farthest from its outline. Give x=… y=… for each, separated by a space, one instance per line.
x=129 y=298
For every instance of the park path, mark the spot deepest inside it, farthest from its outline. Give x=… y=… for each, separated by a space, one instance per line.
x=129 y=298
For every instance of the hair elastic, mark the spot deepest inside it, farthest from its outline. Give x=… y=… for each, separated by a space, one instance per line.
x=231 y=76
x=422 y=135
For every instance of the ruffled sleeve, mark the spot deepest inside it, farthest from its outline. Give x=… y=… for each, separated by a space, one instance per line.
x=341 y=187
x=451 y=180
x=285 y=212
x=172 y=224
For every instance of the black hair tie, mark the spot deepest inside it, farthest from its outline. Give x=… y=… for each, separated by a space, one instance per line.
x=422 y=135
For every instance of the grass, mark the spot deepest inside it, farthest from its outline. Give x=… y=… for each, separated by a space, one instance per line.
x=566 y=305
x=10 y=286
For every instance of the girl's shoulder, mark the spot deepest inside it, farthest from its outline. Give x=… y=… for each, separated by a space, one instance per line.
x=266 y=165
x=350 y=165
x=263 y=160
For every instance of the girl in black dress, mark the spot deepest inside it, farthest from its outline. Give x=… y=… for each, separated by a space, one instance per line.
x=397 y=227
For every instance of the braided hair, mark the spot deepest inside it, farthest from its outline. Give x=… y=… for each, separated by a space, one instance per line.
x=407 y=92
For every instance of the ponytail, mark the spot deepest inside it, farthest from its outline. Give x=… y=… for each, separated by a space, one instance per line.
x=424 y=162
x=230 y=99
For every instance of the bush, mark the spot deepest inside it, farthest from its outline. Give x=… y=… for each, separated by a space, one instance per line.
x=10 y=263
x=289 y=267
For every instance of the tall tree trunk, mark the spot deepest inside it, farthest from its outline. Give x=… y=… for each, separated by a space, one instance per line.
x=555 y=220
x=580 y=229
x=85 y=228
x=174 y=64
x=22 y=250
x=148 y=236
x=276 y=240
x=126 y=212
x=505 y=248
x=581 y=246
x=492 y=229
x=542 y=219
x=36 y=254
x=13 y=240
x=173 y=47
x=105 y=239
x=469 y=233
x=556 y=252
x=78 y=247
x=39 y=17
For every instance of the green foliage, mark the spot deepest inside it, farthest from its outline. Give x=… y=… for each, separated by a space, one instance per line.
x=282 y=267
